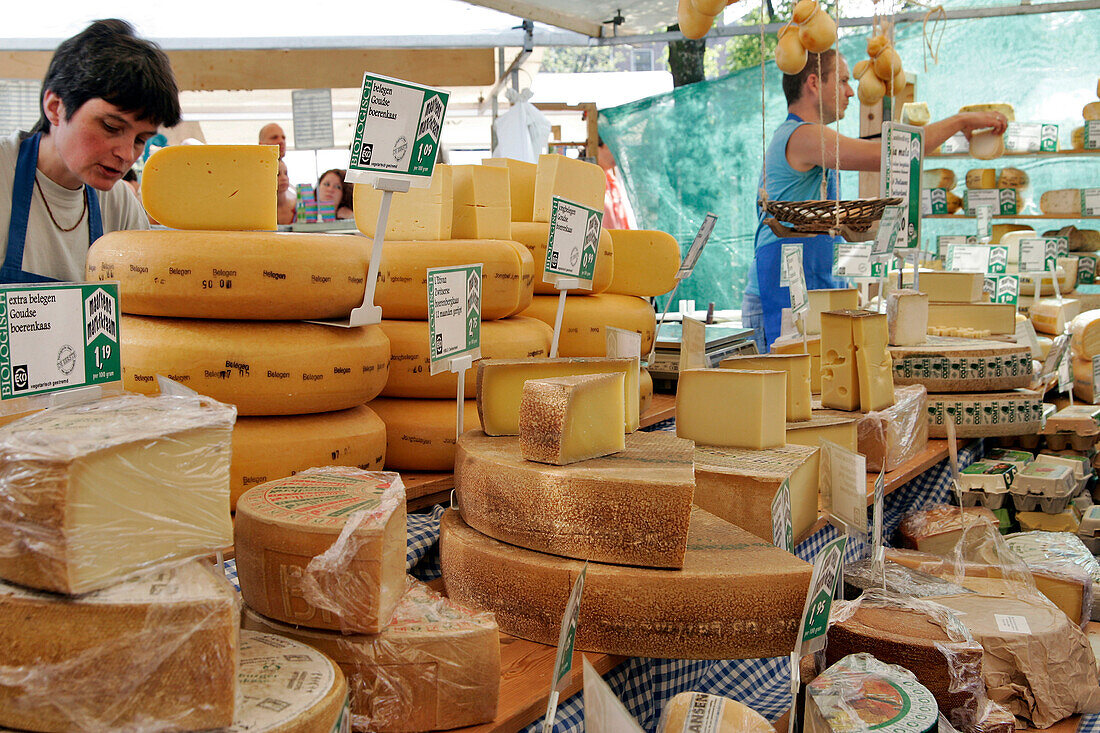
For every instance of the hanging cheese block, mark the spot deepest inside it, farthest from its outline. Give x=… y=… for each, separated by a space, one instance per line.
x=693 y=24
x=584 y=321
x=947 y=364
x=420 y=434
x=790 y=54
x=817 y=30
x=535 y=235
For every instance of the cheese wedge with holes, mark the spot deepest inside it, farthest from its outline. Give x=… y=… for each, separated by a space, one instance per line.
x=873 y=364
x=797 y=367
x=571 y=179
x=627 y=508
x=417 y=214
x=420 y=434
x=907 y=317
x=521 y=182
x=564 y=420
x=584 y=320
x=996 y=318
x=646 y=262
x=839 y=373
x=732 y=408
x=220 y=187
x=535 y=235
x=1051 y=315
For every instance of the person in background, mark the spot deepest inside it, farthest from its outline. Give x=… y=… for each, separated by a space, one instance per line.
x=332 y=188
x=617 y=213
x=272 y=134
x=288 y=202
x=105 y=94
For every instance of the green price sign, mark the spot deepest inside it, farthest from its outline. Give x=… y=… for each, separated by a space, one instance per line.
x=902 y=158
x=454 y=314
x=574 y=242
x=819 y=600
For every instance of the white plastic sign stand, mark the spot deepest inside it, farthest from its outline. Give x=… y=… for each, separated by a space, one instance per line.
x=844 y=472
x=567 y=637
x=953 y=456
x=687 y=266
x=564 y=285
x=1095 y=376
x=604 y=712
x=454 y=325
x=878 y=552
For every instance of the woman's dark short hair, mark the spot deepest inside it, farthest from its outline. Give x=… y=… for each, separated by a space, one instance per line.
x=108 y=61
x=348 y=188
x=793 y=83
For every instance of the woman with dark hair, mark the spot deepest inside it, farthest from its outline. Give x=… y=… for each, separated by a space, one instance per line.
x=105 y=93
x=331 y=188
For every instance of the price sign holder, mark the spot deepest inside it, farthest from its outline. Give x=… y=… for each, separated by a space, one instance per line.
x=693 y=344
x=1065 y=377
x=800 y=298
x=454 y=325
x=1054 y=359
x=1095 y=375
x=902 y=161
x=878 y=552
x=564 y=285
x=687 y=266
x=563 y=664
x=570 y=253
x=843 y=483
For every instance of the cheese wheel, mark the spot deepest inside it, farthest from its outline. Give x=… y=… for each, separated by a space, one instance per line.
x=628 y=508
x=946 y=364
x=986 y=145
x=718 y=714
x=693 y=24
x=273 y=447
x=1003 y=108
x=737 y=597
x=410 y=372
x=420 y=434
x=938 y=178
x=239 y=275
x=264 y=368
x=646 y=262
x=1085 y=335
x=507 y=273
x=981 y=178
x=582 y=331
x=790 y=54
x=999 y=236
x=535 y=235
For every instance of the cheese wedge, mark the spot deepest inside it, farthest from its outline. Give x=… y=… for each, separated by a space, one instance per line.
x=418 y=214
x=564 y=420
x=749 y=416
x=521 y=182
x=907 y=317
x=797 y=367
x=574 y=180
x=1052 y=315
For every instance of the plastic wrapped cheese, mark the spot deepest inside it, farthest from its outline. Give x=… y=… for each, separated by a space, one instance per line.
x=891 y=436
x=860 y=692
x=700 y=712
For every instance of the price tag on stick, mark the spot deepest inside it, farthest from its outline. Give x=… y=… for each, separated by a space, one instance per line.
x=792 y=258
x=454 y=324
x=563 y=664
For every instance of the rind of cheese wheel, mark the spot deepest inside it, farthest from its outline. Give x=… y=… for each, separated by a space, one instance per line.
x=269 y=447
x=535 y=235
x=1061 y=202
x=737 y=596
x=573 y=180
x=436 y=666
x=986 y=145
x=1080 y=240
x=507 y=274
x=584 y=320
x=645 y=262
x=264 y=368
x=938 y=178
x=240 y=275
x=946 y=364
x=984 y=414
x=1077 y=138
x=721 y=714
x=981 y=178
x=410 y=373
x=222 y=187
x=1091 y=111
x=417 y=214
x=420 y=434
x=1002 y=107
x=77 y=479
x=1085 y=334
x=158 y=652
x=627 y=508
x=1012 y=178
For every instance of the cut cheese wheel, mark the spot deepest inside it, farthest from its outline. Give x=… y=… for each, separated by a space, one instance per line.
x=91 y=493
x=916 y=113
x=273 y=447
x=417 y=214
x=410 y=373
x=240 y=275
x=996 y=318
x=158 y=652
x=573 y=180
x=946 y=364
x=535 y=235
x=981 y=178
x=420 y=434
x=1000 y=230
x=585 y=318
x=1085 y=330
x=565 y=420
x=940 y=177
x=1012 y=178
x=281 y=526
x=436 y=665
x=686 y=711
x=224 y=187
x=736 y=597
x=269 y=368
x=1052 y=315
x=646 y=262
x=1061 y=202
x=797 y=368
x=506 y=275
x=1002 y=107
x=986 y=145
x=941 y=528
x=521 y=181
x=628 y=508
x=978 y=415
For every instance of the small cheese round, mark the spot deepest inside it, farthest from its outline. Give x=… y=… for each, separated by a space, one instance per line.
x=790 y=54
x=818 y=33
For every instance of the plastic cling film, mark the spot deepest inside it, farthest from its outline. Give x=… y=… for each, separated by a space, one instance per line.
x=895 y=434
x=157 y=653
x=1063 y=556
x=94 y=492
x=699 y=712
x=860 y=693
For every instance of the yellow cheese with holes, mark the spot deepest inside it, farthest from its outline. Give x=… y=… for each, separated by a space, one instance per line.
x=797 y=367
x=953 y=287
x=812 y=346
x=873 y=362
x=266 y=448
x=1051 y=315
x=507 y=272
x=698 y=711
x=570 y=179
x=500 y=387
x=839 y=373
x=420 y=434
x=823 y=425
x=410 y=368
x=521 y=182
x=240 y=275
x=417 y=214
x=564 y=420
x=535 y=235
x=646 y=262
x=264 y=368
x=585 y=318
x=749 y=416
x=981 y=178
x=996 y=318
x=223 y=187
x=834 y=299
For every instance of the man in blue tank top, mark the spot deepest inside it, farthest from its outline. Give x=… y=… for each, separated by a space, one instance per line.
x=801 y=150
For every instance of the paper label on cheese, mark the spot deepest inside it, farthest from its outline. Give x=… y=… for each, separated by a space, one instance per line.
x=1010 y=624
x=1092 y=135
x=969 y=411
x=704 y=714
x=280 y=679
x=326 y=500
x=933 y=366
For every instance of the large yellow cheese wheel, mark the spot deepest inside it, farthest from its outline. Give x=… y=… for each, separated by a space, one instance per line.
x=646 y=262
x=262 y=367
x=239 y=275
x=534 y=236
x=582 y=332
x=266 y=448
x=410 y=372
x=420 y=434
x=506 y=267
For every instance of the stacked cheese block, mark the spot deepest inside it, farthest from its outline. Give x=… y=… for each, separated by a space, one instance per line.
x=464 y=218
x=218 y=310
x=321 y=560
x=559 y=476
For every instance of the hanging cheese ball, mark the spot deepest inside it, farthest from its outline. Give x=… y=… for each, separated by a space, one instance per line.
x=709 y=7
x=818 y=31
x=887 y=64
x=876 y=44
x=693 y=24
x=871 y=89
x=860 y=67
x=790 y=54
x=803 y=10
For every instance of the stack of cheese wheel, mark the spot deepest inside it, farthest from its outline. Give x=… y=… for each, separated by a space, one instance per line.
x=1085 y=344
x=216 y=303
x=464 y=218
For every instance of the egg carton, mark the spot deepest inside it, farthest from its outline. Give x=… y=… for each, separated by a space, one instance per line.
x=985 y=483
x=1082 y=420
x=1089 y=531
x=1044 y=487
x=1018 y=458
x=992 y=500
x=1069 y=441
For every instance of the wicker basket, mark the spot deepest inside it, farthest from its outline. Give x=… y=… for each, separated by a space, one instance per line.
x=823 y=217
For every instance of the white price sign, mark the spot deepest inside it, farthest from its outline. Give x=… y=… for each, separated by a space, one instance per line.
x=1038 y=254
x=851 y=260
x=792 y=257
x=844 y=478
x=1090 y=202
x=1095 y=375
x=977 y=258
x=984 y=215
x=696 y=249
x=893 y=219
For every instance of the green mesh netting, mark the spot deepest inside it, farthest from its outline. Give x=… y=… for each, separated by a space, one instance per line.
x=698 y=148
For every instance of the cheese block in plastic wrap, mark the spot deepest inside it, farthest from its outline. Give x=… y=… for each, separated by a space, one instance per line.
x=628 y=508
x=949 y=364
x=585 y=318
x=324 y=548
x=895 y=434
x=1058 y=552
x=860 y=692
x=420 y=434
x=268 y=448
x=1061 y=202
x=646 y=262
x=241 y=275
x=93 y=492
x=737 y=597
x=984 y=414
x=898 y=579
x=1085 y=334
x=158 y=652
x=705 y=713
x=535 y=235
x=436 y=665
x=939 y=529
x=507 y=275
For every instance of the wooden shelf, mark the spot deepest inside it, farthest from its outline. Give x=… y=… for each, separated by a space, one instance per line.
x=1046 y=154
x=1010 y=216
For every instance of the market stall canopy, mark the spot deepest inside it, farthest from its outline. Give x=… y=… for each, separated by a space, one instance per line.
x=595 y=18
